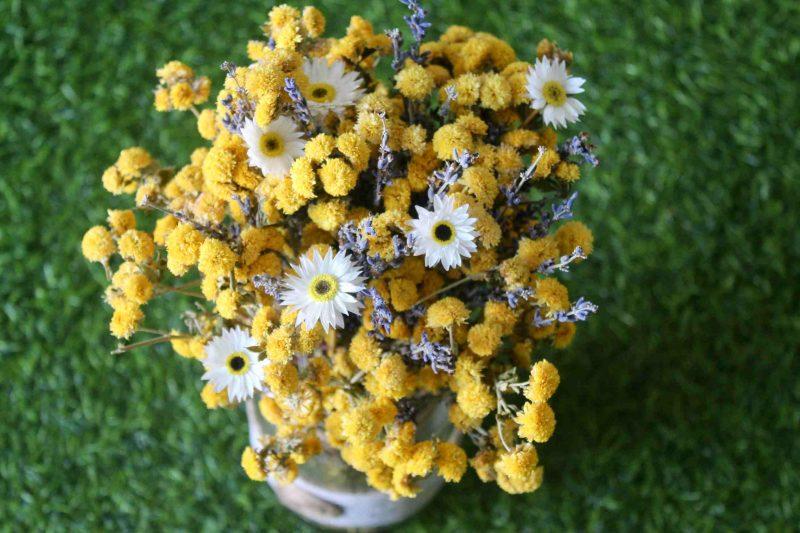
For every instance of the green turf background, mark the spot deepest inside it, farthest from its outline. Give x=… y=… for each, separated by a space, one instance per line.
x=679 y=404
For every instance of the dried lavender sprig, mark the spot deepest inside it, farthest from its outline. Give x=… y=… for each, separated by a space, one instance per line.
x=269 y=284
x=549 y=266
x=398 y=54
x=440 y=180
x=381 y=315
x=418 y=25
x=563 y=210
x=579 y=145
x=383 y=176
x=299 y=103
x=514 y=296
x=450 y=96
x=512 y=191
x=579 y=312
x=437 y=355
x=237 y=111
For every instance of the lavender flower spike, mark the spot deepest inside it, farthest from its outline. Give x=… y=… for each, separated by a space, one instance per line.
x=298 y=101
x=437 y=355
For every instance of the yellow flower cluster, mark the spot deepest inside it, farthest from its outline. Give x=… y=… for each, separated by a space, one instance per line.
x=426 y=333
x=179 y=89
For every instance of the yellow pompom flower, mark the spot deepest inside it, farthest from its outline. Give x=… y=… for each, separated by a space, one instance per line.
x=328 y=215
x=253 y=465
x=355 y=149
x=414 y=82
x=338 y=178
x=265 y=319
x=161 y=100
x=552 y=295
x=207 y=124
x=132 y=161
x=215 y=258
x=313 y=21
x=115 y=183
x=389 y=379
x=137 y=246
x=98 y=244
x=519 y=463
x=565 y=331
x=481 y=183
x=475 y=399
x=136 y=287
x=303 y=177
x=121 y=220
x=484 y=339
x=468 y=89
x=451 y=461
x=181 y=96
x=447 y=312
x=451 y=137
x=536 y=421
x=280 y=344
x=319 y=147
x=495 y=92
x=359 y=424
x=422 y=459
x=403 y=293
x=281 y=378
x=397 y=196
x=183 y=248
x=569 y=172
x=573 y=234
x=534 y=252
x=227 y=303
x=460 y=420
x=543 y=381
x=125 y=320
x=213 y=399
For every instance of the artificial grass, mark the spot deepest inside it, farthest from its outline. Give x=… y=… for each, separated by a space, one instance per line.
x=679 y=402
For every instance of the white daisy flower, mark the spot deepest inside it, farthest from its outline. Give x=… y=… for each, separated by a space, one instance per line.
x=549 y=87
x=330 y=87
x=323 y=290
x=230 y=364
x=444 y=235
x=272 y=149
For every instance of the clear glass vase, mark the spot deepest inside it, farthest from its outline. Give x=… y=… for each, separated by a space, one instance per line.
x=330 y=493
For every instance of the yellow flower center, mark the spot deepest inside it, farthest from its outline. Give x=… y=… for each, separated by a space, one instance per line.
x=443 y=232
x=322 y=93
x=554 y=93
x=238 y=363
x=323 y=288
x=272 y=144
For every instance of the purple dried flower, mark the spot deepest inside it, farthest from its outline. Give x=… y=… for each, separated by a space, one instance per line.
x=381 y=315
x=435 y=354
x=579 y=312
x=269 y=284
x=299 y=103
x=549 y=266
x=580 y=146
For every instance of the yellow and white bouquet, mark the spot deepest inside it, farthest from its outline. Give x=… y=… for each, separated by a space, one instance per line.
x=355 y=245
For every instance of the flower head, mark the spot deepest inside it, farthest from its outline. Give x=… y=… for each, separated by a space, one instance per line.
x=443 y=235
x=330 y=87
x=272 y=149
x=549 y=87
x=323 y=291
x=230 y=364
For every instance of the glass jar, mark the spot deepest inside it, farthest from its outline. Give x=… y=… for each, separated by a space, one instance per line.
x=330 y=493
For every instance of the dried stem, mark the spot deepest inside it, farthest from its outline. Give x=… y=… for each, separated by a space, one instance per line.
x=122 y=348
x=453 y=285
